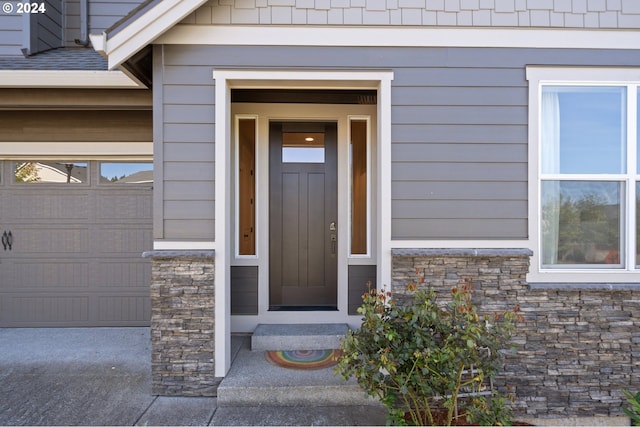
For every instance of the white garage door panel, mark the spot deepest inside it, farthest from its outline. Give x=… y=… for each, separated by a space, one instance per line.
x=77 y=253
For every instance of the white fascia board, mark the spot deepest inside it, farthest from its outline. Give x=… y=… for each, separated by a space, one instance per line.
x=302 y=79
x=146 y=29
x=72 y=150
x=78 y=79
x=98 y=41
x=309 y=35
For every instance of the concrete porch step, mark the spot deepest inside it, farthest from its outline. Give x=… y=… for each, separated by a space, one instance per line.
x=254 y=381
x=322 y=336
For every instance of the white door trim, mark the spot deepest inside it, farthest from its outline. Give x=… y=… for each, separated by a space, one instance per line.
x=265 y=113
x=225 y=80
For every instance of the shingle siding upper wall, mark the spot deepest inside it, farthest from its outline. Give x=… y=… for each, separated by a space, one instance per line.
x=459 y=131
x=467 y=13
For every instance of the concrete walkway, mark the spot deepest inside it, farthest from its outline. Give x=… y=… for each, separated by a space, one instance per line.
x=101 y=376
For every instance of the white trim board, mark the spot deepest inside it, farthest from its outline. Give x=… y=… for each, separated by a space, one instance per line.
x=227 y=79
x=174 y=245
x=583 y=76
x=310 y=35
x=70 y=150
x=143 y=30
x=78 y=79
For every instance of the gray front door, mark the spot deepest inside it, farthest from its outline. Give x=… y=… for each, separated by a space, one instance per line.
x=303 y=208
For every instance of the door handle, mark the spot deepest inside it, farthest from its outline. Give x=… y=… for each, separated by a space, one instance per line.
x=333 y=237
x=10 y=240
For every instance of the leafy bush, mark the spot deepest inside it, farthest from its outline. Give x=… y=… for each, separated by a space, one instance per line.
x=633 y=411
x=418 y=359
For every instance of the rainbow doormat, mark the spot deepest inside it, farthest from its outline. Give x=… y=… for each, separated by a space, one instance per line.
x=304 y=359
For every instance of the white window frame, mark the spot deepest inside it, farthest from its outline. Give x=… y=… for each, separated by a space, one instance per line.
x=583 y=76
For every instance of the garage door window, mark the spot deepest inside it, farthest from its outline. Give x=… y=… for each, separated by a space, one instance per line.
x=126 y=173
x=50 y=172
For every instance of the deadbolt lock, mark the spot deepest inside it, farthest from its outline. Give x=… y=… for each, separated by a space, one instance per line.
x=332 y=226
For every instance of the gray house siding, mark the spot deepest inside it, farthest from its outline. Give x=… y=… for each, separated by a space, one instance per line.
x=102 y=15
x=459 y=131
x=185 y=125
x=59 y=26
x=43 y=30
x=10 y=34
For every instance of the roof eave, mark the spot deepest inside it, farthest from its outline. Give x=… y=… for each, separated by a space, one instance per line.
x=142 y=31
x=79 y=79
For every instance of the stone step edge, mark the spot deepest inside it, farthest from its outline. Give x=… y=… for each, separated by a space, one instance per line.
x=287 y=337
x=344 y=395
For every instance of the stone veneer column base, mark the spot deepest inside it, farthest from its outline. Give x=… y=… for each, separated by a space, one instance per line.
x=182 y=323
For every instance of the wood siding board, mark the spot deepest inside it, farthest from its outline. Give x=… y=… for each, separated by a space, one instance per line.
x=189 y=94
x=189 y=171
x=190 y=74
x=458 y=171
x=189 y=190
x=459 y=115
x=188 y=209
x=460 y=190
x=197 y=229
x=464 y=77
x=462 y=152
x=463 y=133
x=464 y=229
x=445 y=95
x=197 y=132
x=459 y=209
x=187 y=151
x=187 y=114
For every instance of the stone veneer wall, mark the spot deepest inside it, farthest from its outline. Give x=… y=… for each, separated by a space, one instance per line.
x=577 y=348
x=182 y=323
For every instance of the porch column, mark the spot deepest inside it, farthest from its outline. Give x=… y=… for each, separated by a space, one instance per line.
x=182 y=323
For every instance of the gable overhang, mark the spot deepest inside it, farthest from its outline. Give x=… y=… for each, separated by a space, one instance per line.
x=119 y=46
x=72 y=79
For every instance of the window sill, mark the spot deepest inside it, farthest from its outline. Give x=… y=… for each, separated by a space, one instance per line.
x=585 y=286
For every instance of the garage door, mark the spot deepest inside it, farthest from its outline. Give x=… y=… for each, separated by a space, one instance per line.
x=72 y=238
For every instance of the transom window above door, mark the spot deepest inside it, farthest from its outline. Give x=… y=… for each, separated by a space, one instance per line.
x=302 y=147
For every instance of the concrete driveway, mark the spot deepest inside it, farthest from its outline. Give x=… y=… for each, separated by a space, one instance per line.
x=86 y=376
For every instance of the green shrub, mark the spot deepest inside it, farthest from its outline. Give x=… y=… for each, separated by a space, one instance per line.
x=633 y=411
x=419 y=358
